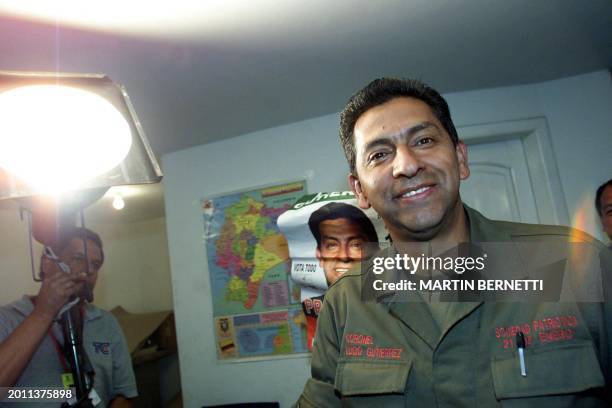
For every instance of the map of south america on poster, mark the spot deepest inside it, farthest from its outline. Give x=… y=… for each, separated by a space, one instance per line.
x=255 y=304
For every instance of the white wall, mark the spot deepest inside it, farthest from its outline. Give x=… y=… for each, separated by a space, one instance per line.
x=303 y=150
x=579 y=115
x=578 y=112
x=135 y=274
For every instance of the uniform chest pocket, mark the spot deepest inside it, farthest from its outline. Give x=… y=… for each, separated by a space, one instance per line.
x=371 y=377
x=551 y=370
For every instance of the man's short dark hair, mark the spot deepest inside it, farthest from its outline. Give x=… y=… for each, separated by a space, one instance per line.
x=598 y=195
x=334 y=211
x=383 y=90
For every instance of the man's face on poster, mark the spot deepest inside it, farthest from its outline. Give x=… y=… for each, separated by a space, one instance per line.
x=342 y=242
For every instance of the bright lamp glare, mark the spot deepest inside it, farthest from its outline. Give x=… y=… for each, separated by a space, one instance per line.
x=57 y=137
x=118 y=203
x=136 y=16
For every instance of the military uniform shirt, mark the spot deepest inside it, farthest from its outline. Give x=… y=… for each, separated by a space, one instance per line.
x=395 y=354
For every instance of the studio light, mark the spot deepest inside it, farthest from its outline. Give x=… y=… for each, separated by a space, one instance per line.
x=65 y=132
x=118 y=203
x=49 y=139
x=74 y=136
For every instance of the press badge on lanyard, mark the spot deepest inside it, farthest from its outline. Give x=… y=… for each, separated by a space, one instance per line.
x=67 y=380
x=93 y=396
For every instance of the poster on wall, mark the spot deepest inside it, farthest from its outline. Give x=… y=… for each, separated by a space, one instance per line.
x=256 y=306
x=327 y=234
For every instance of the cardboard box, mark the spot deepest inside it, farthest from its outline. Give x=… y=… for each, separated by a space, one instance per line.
x=150 y=336
x=151 y=339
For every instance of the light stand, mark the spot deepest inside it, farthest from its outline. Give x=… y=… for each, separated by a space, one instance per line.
x=82 y=371
x=138 y=166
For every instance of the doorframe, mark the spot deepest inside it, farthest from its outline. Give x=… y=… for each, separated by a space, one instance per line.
x=542 y=167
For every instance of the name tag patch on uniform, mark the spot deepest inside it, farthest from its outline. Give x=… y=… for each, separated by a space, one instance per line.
x=101 y=347
x=363 y=345
x=548 y=330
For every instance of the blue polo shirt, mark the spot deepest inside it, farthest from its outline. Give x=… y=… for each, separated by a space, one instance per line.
x=103 y=342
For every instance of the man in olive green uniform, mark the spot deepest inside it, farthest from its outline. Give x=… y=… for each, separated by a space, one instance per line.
x=407 y=162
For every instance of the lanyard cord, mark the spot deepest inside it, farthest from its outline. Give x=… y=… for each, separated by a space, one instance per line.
x=58 y=349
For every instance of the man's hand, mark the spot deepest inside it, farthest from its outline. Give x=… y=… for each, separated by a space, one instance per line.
x=18 y=348
x=56 y=289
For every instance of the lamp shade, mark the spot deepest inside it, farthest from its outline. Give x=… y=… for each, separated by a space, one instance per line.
x=62 y=132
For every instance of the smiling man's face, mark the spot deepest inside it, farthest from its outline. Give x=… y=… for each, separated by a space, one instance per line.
x=407 y=168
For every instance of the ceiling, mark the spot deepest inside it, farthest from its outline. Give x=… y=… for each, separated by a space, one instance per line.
x=203 y=71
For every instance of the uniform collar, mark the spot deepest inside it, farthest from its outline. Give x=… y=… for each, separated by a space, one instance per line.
x=415 y=313
x=25 y=307
x=91 y=312
x=483 y=229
